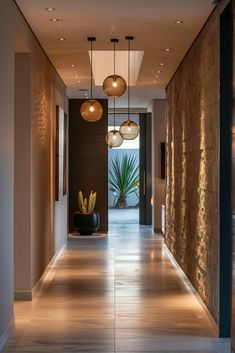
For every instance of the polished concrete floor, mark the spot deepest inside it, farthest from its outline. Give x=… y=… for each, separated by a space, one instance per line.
x=116 y=294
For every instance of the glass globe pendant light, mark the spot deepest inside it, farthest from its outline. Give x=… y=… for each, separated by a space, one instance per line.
x=129 y=129
x=114 y=138
x=91 y=109
x=114 y=85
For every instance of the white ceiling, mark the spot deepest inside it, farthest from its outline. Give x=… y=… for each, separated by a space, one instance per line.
x=151 y=22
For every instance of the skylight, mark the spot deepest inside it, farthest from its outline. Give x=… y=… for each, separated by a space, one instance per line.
x=103 y=65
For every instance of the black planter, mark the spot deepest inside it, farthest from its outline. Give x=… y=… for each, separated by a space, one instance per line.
x=86 y=224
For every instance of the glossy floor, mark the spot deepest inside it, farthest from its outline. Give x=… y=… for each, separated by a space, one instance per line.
x=116 y=294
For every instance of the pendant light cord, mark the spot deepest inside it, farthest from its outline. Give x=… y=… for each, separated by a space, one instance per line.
x=91 y=69
x=114 y=58
x=114 y=113
x=129 y=89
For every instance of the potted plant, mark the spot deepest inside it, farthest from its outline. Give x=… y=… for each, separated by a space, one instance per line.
x=123 y=178
x=86 y=221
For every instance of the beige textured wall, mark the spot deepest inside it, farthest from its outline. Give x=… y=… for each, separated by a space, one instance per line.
x=192 y=201
x=46 y=229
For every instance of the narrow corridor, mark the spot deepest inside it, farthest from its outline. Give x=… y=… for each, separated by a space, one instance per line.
x=121 y=293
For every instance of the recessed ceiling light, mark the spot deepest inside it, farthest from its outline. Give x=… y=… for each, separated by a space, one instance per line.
x=76 y=76
x=72 y=65
x=179 y=22
x=158 y=71
x=79 y=81
x=157 y=76
x=168 y=49
x=154 y=81
x=54 y=19
x=61 y=39
x=50 y=8
x=162 y=64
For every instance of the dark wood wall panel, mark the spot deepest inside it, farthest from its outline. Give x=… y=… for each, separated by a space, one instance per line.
x=88 y=160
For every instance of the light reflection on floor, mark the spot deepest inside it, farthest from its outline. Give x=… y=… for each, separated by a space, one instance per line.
x=116 y=294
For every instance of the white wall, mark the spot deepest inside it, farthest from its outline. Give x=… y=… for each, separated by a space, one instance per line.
x=47 y=90
x=158 y=109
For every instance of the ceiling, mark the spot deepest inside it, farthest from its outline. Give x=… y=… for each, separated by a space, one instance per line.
x=151 y=22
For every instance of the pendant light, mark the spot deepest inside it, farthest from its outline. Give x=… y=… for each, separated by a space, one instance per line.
x=91 y=109
x=114 y=85
x=129 y=129
x=114 y=138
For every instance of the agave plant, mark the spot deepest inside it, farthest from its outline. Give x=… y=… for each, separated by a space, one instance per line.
x=123 y=178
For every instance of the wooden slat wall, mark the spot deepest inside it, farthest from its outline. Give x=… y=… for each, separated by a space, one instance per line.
x=88 y=160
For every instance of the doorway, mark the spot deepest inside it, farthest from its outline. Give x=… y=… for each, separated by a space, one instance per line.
x=123 y=177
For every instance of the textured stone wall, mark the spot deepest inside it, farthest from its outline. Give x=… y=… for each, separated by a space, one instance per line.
x=192 y=192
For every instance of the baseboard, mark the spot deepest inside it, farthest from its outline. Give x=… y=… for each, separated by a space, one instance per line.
x=158 y=230
x=29 y=295
x=188 y=284
x=4 y=337
x=23 y=296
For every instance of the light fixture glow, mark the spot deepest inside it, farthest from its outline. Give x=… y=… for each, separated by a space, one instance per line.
x=129 y=129
x=61 y=39
x=54 y=19
x=179 y=22
x=50 y=8
x=91 y=110
x=114 y=85
x=114 y=137
x=162 y=64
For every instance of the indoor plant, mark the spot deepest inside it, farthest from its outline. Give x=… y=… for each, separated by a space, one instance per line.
x=123 y=178
x=86 y=221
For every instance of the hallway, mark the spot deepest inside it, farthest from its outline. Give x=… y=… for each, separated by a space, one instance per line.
x=116 y=294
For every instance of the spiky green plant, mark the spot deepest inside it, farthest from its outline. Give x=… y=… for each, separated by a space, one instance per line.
x=123 y=178
x=83 y=205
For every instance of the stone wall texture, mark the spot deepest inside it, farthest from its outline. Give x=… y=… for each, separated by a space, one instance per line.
x=192 y=191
